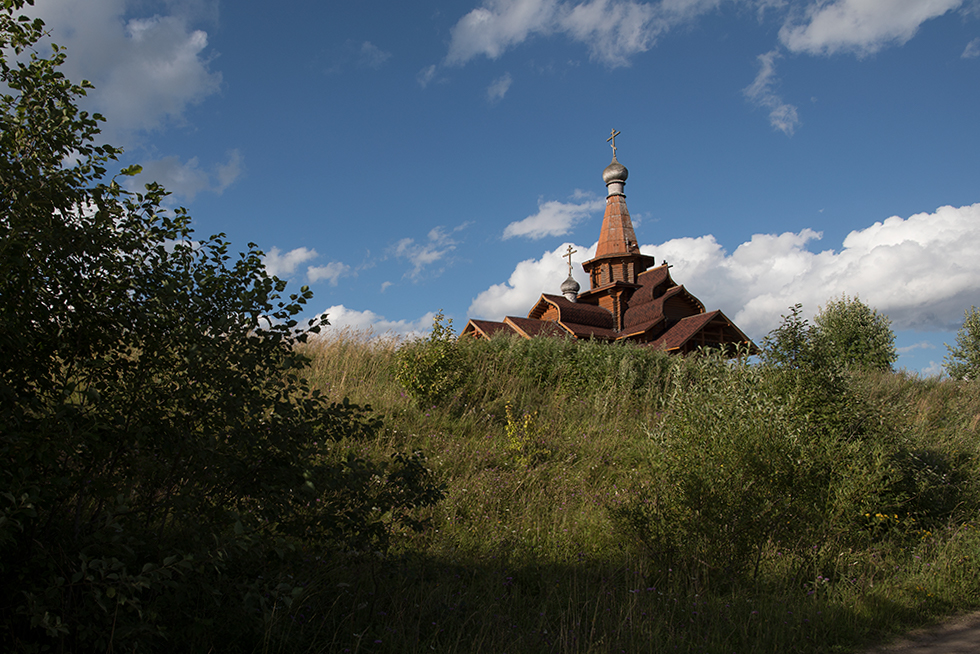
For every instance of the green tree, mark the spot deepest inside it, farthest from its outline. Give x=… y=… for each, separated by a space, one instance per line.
x=158 y=449
x=792 y=345
x=854 y=335
x=963 y=361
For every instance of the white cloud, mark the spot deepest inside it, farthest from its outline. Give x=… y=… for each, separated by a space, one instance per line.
x=332 y=272
x=499 y=87
x=860 y=26
x=187 y=179
x=146 y=70
x=498 y=25
x=439 y=244
x=613 y=30
x=921 y=345
x=554 y=218
x=340 y=317
x=921 y=271
x=760 y=92
x=972 y=50
x=529 y=280
x=283 y=264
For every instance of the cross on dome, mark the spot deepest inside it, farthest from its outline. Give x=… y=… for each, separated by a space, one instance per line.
x=612 y=139
x=568 y=255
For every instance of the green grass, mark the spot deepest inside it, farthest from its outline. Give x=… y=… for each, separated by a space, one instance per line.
x=652 y=504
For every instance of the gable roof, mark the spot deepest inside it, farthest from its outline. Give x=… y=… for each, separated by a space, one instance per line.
x=680 y=334
x=484 y=328
x=530 y=327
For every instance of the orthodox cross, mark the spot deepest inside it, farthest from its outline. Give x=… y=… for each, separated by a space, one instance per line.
x=613 y=140
x=568 y=255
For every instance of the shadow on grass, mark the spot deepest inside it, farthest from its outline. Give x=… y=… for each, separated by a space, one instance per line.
x=425 y=604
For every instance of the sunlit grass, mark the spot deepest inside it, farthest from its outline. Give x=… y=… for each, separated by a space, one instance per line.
x=525 y=553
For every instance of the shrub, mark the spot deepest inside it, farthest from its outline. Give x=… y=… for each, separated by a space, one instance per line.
x=162 y=464
x=431 y=369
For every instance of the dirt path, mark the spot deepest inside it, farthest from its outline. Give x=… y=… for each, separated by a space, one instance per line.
x=960 y=635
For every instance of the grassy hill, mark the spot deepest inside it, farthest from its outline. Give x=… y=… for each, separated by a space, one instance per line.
x=608 y=498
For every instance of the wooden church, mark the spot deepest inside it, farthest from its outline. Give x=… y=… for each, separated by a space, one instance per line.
x=630 y=298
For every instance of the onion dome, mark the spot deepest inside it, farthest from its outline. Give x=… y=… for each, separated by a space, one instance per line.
x=615 y=172
x=570 y=288
x=615 y=176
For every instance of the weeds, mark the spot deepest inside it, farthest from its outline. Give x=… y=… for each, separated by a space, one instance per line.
x=603 y=499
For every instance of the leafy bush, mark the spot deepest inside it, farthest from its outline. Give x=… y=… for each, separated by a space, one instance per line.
x=731 y=470
x=431 y=369
x=162 y=464
x=746 y=460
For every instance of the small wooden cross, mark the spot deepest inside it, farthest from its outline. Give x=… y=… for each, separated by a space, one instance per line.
x=613 y=139
x=568 y=255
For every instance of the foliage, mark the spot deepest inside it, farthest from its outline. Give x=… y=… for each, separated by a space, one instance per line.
x=847 y=335
x=736 y=464
x=431 y=368
x=793 y=344
x=522 y=439
x=963 y=361
x=162 y=463
x=566 y=555
x=854 y=335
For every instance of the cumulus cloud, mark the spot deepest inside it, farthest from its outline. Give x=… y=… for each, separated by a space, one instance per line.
x=499 y=87
x=340 y=317
x=281 y=264
x=186 y=179
x=761 y=92
x=331 y=272
x=922 y=271
x=146 y=70
x=529 y=280
x=554 y=218
x=436 y=248
x=860 y=26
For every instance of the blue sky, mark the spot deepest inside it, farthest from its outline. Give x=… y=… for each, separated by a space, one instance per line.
x=406 y=157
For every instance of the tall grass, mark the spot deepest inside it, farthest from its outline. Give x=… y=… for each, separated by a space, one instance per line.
x=610 y=498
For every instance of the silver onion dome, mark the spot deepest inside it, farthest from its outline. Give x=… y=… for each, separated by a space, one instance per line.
x=570 y=288
x=615 y=172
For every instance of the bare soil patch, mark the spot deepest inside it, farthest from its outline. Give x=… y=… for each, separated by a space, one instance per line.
x=960 y=635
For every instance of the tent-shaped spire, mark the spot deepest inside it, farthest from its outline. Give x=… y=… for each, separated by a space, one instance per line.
x=618 y=260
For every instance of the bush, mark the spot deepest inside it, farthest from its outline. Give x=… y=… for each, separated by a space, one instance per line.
x=431 y=369
x=162 y=464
